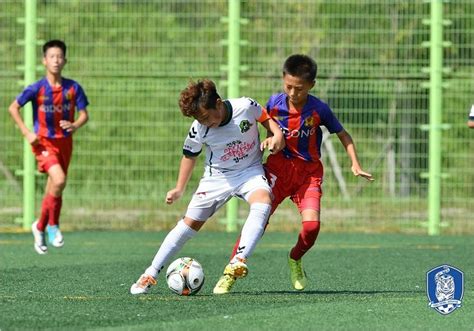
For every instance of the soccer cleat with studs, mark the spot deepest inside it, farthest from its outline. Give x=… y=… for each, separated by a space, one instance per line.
x=224 y=285
x=297 y=274
x=40 y=242
x=237 y=268
x=143 y=284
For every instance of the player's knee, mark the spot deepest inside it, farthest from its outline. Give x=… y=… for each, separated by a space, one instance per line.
x=311 y=230
x=59 y=182
x=260 y=196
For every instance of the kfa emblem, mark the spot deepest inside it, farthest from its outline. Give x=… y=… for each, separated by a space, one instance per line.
x=445 y=288
x=245 y=126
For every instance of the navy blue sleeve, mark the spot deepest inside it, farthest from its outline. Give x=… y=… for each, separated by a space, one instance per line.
x=330 y=121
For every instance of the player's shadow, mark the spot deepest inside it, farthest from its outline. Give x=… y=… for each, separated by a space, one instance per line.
x=340 y=292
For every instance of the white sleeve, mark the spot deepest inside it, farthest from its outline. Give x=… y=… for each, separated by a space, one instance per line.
x=255 y=108
x=193 y=142
x=471 y=114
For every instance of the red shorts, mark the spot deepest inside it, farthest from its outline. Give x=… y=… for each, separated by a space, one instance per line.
x=49 y=152
x=300 y=180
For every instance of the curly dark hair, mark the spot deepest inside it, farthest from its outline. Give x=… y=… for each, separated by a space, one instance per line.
x=196 y=96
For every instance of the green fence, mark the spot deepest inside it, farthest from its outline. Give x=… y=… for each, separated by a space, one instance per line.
x=134 y=57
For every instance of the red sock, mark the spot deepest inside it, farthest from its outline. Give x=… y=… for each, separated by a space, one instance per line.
x=306 y=239
x=236 y=246
x=55 y=210
x=45 y=208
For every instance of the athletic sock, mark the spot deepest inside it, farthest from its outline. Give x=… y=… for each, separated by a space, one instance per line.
x=236 y=246
x=173 y=242
x=45 y=210
x=55 y=210
x=306 y=239
x=253 y=229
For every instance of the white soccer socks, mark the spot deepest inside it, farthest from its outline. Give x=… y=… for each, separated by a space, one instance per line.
x=253 y=229
x=173 y=242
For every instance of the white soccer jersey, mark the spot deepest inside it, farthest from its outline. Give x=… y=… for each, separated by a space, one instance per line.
x=234 y=145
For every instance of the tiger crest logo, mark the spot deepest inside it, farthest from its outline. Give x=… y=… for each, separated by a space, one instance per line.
x=445 y=288
x=245 y=126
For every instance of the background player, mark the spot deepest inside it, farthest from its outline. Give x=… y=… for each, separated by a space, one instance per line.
x=470 y=120
x=297 y=171
x=228 y=130
x=54 y=100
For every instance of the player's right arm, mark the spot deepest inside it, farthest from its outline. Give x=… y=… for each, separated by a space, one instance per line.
x=191 y=150
x=185 y=171
x=14 y=111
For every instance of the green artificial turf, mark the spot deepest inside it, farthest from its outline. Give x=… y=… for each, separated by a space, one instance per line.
x=356 y=282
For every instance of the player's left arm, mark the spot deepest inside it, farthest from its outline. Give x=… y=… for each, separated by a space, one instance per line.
x=82 y=119
x=348 y=144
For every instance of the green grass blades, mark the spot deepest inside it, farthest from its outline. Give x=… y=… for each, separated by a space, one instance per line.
x=356 y=282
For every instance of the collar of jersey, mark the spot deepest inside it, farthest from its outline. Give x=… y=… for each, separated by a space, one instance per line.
x=228 y=108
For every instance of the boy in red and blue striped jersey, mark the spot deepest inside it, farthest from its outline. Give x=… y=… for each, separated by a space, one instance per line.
x=296 y=171
x=55 y=100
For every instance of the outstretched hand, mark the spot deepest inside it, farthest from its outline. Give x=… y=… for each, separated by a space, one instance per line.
x=357 y=171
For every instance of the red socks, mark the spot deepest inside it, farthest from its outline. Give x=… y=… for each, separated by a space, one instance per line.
x=50 y=210
x=55 y=210
x=306 y=239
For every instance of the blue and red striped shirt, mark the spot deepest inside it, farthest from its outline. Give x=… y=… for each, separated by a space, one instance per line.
x=52 y=104
x=302 y=127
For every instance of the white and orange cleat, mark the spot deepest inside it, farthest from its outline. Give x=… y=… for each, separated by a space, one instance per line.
x=143 y=284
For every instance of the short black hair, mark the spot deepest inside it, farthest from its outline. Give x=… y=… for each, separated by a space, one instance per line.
x=301 y=66
x=54 y=43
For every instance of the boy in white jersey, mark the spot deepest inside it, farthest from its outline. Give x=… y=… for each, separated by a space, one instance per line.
x=228 y=130
x=470 y=121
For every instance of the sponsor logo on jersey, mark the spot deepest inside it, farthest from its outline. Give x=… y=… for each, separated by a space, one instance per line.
x=299 y=133
x=237 y=150
x=55 y=108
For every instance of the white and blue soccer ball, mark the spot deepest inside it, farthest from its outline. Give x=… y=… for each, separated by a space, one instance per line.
x=185 y=276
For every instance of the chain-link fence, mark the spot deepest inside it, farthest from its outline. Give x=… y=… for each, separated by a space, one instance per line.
x=134 y=57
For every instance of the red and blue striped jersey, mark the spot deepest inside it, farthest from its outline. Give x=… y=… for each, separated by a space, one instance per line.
x=52 y=104
x=302 y=127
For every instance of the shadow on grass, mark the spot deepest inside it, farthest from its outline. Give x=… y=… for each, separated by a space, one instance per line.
x=343 y=292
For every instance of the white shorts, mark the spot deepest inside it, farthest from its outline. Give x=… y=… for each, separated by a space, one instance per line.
x=214 y=191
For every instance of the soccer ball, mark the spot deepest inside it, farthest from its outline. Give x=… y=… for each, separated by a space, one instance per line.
x=185 y=276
